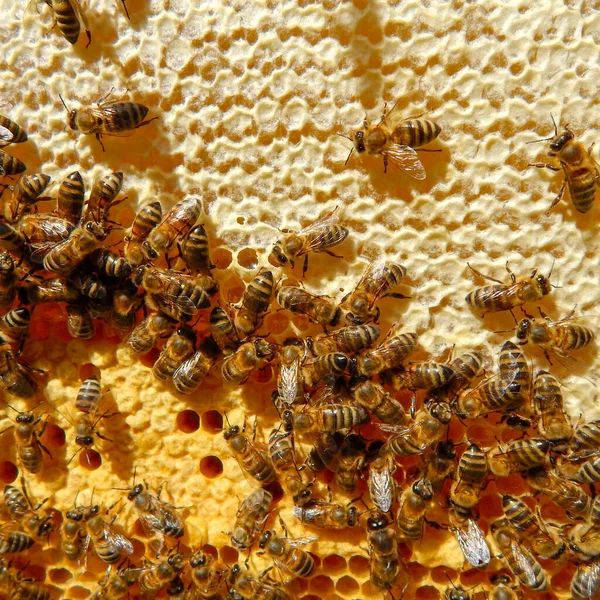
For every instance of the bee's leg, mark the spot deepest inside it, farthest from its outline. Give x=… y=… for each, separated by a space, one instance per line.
x=427 y=150
x=89 y=37
x=98 y=137
x=484 y=276
x=512 y=275
x=304 y=266
x=559 y=196
x=543 y=314
x=332 y=254
x=385 y=163
x=123 y=2
x=542 y=165
x=146 y=122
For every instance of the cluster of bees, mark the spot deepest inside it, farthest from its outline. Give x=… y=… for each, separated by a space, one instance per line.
x=328 y=387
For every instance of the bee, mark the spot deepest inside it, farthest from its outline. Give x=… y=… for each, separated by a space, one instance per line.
x=89 y=284
x=74 y=538
x=496 y=298
x=514 y=372
x=125 y=304
x=10 y=165
x=516 y=422
x=41 y=230
x=89 y=395
x=253 y=461
x=346 y=339
x=109 y=118
x=316 y=237
x=584 y=539
x=518 y=559
x=492 y=395
x=27 y=441
x=553 y=423
x=385 y=561
x=195 y=252
x=246 y=588
x=566 y=494
x=143 y=338
x=440 y=464
x=70 y=17
x=18 y=588
x=429 y=427
x=412 y=508
x=586 y=581
x=25 y=194
x=145 y=221
x=236 y=368
x=109 y=264
x=155 y=576
x=206 y=576
x=223 y=331
x=255 y=303
x=589 y=471
x=116 y=586
x=379 y=277
x=457 y=592
x=13 y=542
x=178 y=348
x=287 y=554
x=351 y=460
x=582 y=172
x=530 y=529
x=109 y=545
x=326 y=515
x=396 y=141
x=55 y=289
x=470 y=538
x=319 y=309
x=11 y=239
x=501 y=589
x=85 y=426
x=9 y=277
x=251 y=515
x=472 y=472
x=71 y=194
x=328 y=417
x=191 y=373
x=372 y=396
x=102 y=197
x=387 y=355
x=79 y=322
x=22 y=511
x=381 y=483
x=466 y=368
x=64 y=257
x=12 y=133
x=519 y=455
x=174 y=225
x=324 y=450
x=585 y=441
x=420 y=376
x=333 y=364
x=15 y=377
x=290 y=386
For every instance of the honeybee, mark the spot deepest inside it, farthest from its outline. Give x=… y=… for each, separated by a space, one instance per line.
x=109 y=545
x=316 y=237
x=412 y=508
x=191 y=373
x=251 y=515
x=71 y=194
x=223 y=331
x=12 y=133
x=89 y=284
x=496 y=298
x=206 y=575
x=116 y=585
x=89 y=395
x=143 y=338
x=55 y=289
x=328 y=417
x=102 y=197
x=381 y=484
x=385 y=561
x=287 y=554
x=589 y=471
x=420 y=376
x=125 y=304
x=566 y=494
x=10 y=165
x=18 y=588
x=586 y=580
x=553 y=423
x=351 y=460
x=254 y=462
x=27 y=441
x=25 y=194
x=290 y=386
x=195 y=251
x=324 y=450
x=346 y=339
x=319 y=309
x=23 y=512
x=513 y=368
x=387 y=355
x=439 y=464
x=154 y=576
x=246 y=588
x=236 y=368
x=70 y=17
x=466 y=368
x=519 y=455
x=178 y=348
x=14 y=325
x=429 y=427
x=79 y=322
x=174 y=225
x=471 y=478
x=15 y=377
x=396 y=141
x=492 y=395
x=585 y=441
x=64 y=257
x=73 y=538
x=531 y=530
x=326 y=515
x=380 y=404
x=518 y=559
x=379 y=277
x=85 y=429
x=255 y=303
x=584 y=539
x=470 y=538
x=8 y=280
x=333 y=364
x=109 y=264
x=145 y=221
x=109 y=118
x=11 y=239
x=41 y=230
x=13 y=541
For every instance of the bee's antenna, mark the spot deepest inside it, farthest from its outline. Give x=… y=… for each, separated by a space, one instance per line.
x=63 y=103
x=349 y=155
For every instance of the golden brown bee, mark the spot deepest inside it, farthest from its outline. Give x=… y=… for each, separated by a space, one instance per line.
x=251 y=515
x=191 y=373
x=85 y=429
x=586 y=581
x=290 y=386
x=8 y=280
x=64 y=257
x=89 y=395
x=413 y=505
x=328 y=417
x=174 y=225
x=319 y=309
x=513 y=369
x=236 y=368
x=155 y=576
x=346 y=339
x=102 y=197
x=585 y=441
x=350 y=463
x=470 y=538
x=324 y=450
x=11 y=239
x=25 y=514
x=116 y=586
x=584 y=539
x=531 y=531
x=287 y=554
x=146 y=334
x=71 y=194
x=582 y=172
x=108 y=264
x=255 y=303
x=73 y=534
x=471 y=478
x=589 y=471
x=396 y=140
x=69 y=16
x=553 y=423
x=246 y=588
x=329 y=364
x=13 y=541
x=125 y=304
x=466 y=368
x=42 y=230
x=325 y=515
x=29 y=446
x=420 y=376
x=55 y=289
x=206 y=575
x=14 y=325
x=195 y=251
x=496 y=298
x=18 y=588
x=380 y=404
x=223 y=331
x=145 y=221
x=385 y=561
x=518 y=559
x=387 y=355
x=519 y=455
x=25 y=194
x=429 y=426
x=10 y=165
x=11 y=132
x=317 y=237
x=492 y=395
x=109 y=118
x=15 y=377
x=439 y=464
x=379 y=277
x=254 y=462
x=109 y=545
x=176 y=350
x=79 y=322
x=381 y=483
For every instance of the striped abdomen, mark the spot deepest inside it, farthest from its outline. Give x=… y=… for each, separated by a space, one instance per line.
x=582 y=187
x=327 y=237
x=589 y=472
x=70 y=197
x=66 y=19
x=573 y=336
x=124 y=116
x=10 y=165
x=416 y=132
x=473 y=466
x=89 y=395
x=31 y=457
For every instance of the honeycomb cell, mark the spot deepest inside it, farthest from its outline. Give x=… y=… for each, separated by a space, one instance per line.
x=188 y=421
x=334 y=564
x=8 y=471
x=212 y=421
x=346 y=585
x=60 y=575
x=229 y=554
x=221 y=258
x=211 y=467
x=90 y=460
x=247 y=258
x=358 y=565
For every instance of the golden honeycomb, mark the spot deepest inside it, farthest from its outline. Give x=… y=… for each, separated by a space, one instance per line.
x=250 y=97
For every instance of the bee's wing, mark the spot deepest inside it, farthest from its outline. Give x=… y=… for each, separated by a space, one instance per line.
x=119 y=541
x=319 y=231
x=151 y=523
x=473 y=544
x=41 y=250
x=525 y=563
x=80 y=14
x=183 y=302
x=406 y=159
x=251 y=502
x=302 y=540
x=381 y=488
x=5 y=135
x=288 y=381
x=588 y=576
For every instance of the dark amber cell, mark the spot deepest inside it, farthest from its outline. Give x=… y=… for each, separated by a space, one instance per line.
x=211 y=467
x=229 y=555
x=221 y=258
x=334 y=563
x=359 y=565
x=8 y=471
x=87 y=370
x=54 y=436
x=346 y=585
x=247 y=258
x=212 y=421
x=188 y=421
x=90 y=460
x=427 y=592
x=60 y=575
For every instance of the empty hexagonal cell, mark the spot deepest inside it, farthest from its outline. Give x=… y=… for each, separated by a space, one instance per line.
x=211 y=467
x=334 y=564
x=188 y=421
x=247 y=258
x=346 y=585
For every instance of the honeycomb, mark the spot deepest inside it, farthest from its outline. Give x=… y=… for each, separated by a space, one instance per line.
x=250 y=97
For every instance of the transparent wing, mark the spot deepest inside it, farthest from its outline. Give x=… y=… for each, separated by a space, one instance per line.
x=395 y=348
x=525 y=563
x=80 y=14
x=288 y=381
x=119 y=541
x=6 y=135
x=253 y=501
x=381 y=488
x=151 y=523
x=406 y=159
x=588 y=578
x=473 y=544
x=302 y=540
x=319 y=236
